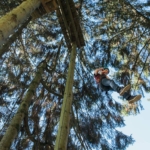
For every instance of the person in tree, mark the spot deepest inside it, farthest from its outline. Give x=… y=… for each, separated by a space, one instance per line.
x=106 y=84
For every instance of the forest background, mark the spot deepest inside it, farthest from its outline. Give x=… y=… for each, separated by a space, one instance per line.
x=35 y=58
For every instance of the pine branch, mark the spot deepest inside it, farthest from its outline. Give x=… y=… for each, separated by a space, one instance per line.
x=48 y=89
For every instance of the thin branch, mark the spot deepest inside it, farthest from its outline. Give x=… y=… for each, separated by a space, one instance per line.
x=77 y=133
x=142 y=70
x=30 y=136
x=140 y=52
x=137 y=12
x=5 y=47
x=48 y=89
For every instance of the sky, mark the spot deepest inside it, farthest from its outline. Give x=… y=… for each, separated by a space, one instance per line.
x=138 y=125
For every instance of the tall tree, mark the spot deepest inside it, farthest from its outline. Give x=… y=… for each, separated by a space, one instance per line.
x=13 y=129
x=116 y=36
x=5 y=47
x=17 y=16
x=64 y=124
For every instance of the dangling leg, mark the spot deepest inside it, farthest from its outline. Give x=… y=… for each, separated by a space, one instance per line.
x=130 y=98
x=111 y=84
x=125 y=91
x=114 y=86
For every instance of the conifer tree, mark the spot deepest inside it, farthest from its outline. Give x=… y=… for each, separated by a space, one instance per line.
x=5 y=47
x=116 y=35
x=17 y=16
x=64 y=124
x=13 y=128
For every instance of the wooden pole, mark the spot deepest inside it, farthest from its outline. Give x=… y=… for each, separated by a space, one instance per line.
x=63 y=131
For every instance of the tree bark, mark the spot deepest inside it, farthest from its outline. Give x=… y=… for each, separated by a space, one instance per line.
x=5 y=47
x=17 y=16
x=13 y=128
x=63 y=131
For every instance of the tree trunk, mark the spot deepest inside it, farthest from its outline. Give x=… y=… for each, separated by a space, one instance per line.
x=63 y=131
x=17 y=16
x=5 y=47
x=13 y=128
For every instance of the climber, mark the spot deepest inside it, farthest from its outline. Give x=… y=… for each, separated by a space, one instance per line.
x=106 y=84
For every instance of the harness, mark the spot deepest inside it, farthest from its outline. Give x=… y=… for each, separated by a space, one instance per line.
x=101 y=86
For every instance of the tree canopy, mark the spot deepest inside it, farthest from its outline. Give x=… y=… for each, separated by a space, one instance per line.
x=116 y=35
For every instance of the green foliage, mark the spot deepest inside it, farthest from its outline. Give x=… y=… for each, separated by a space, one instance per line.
x=116 y=34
